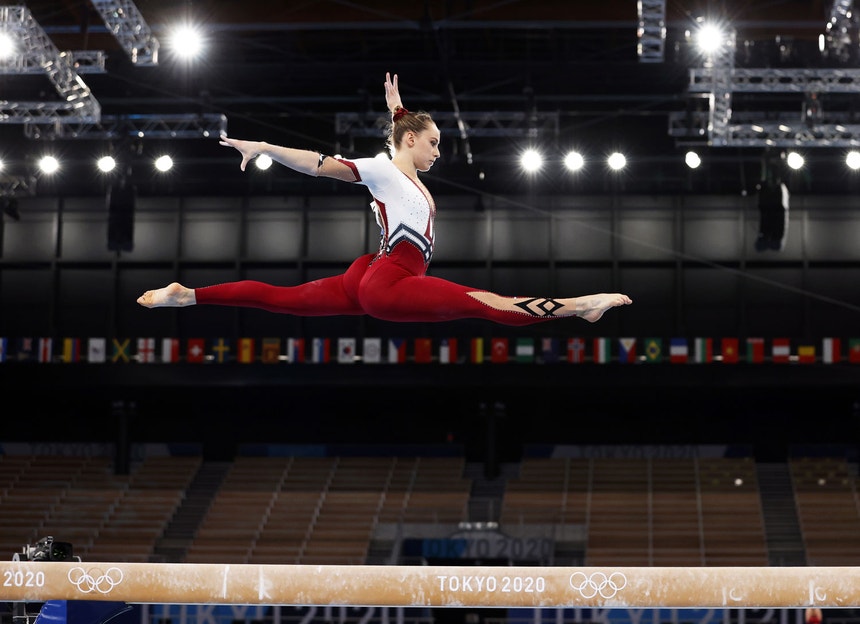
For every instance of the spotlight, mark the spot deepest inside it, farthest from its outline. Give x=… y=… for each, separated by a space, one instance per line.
x=531 y=160
x=106 y=164
x=263 y=162
x=163 y=163
x=616 y=161
x=693 y=160
x=49 y=164
x=574 y=161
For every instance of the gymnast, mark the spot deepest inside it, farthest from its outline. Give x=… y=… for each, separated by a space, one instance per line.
x=391 y=284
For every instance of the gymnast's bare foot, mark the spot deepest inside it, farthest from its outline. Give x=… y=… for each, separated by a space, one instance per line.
x=592 y=307
x=173 y=295
x=588 y=307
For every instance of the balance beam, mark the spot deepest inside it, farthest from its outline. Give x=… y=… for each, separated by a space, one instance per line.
x=431 y=586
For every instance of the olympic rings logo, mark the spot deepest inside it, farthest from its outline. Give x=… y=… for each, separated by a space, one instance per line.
x=598 y=583
x=99 y=582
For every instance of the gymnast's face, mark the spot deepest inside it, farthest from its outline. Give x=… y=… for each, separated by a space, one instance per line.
x=424 y=147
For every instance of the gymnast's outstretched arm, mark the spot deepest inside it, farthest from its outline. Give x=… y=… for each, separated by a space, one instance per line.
x=304 y=161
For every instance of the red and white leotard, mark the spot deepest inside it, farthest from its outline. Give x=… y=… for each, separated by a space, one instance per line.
x=391 y=284
x=403 y=210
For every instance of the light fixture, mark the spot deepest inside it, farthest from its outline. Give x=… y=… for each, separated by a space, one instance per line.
x=49 y=164
x=574 y=161
x=616 y=161
x=794 y=160
x=106 y=164
x=164 y=163
x=7 y=45
x=692 y=159
x=531 y=160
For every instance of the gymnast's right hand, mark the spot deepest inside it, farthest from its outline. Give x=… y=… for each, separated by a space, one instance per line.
x=248 y=149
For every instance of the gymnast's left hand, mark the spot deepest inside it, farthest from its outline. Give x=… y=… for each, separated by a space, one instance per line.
x=392 y=92
x=248 y=149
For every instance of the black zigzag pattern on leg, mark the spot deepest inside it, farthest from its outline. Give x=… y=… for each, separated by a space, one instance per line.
x=539 y=306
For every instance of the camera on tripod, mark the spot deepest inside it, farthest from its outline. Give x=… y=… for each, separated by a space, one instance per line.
x=46 y=549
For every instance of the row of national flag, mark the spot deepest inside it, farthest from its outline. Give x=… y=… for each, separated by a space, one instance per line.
x=345 y=350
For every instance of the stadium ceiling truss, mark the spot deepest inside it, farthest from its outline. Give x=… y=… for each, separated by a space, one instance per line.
x=711 y=118
x=717 y=123
x=76 y=114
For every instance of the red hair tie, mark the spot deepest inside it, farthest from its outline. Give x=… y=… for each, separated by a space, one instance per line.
x=399 y=112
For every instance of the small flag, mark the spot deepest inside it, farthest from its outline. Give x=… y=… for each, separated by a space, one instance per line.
x=25 y=350
x=320 y=350
x=170 y=350
x=372 y=351
x=271 y=353
x=221 y=350
x=71 y=350
x=653 y=349
x=346 y=350
x=806 y=354
x=627 y=350
x=423 y=350
x=549 y=350
x=120 y=350
x=195 y=351
x=678 y=351
x=499 y=350
x=831 y=350
x=448 y=351
x=96 y=350
x=781 y=350
x=145 y=350
x=730 y=350
x=477 y=351
x=4 y=349
x=755 y=350
x=703 y=350
x=576 y=350
x=295 y=350
x=525 y=351
x=396 y=350
x=854 y=350
x=601 y=351
x=246 y=350
x=46 y=350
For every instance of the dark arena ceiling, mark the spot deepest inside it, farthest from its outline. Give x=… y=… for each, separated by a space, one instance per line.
x=500 y=75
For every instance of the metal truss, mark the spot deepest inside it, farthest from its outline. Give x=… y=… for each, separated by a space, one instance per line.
x=810 y=126
x=721 y=66
x=126 y=24
x=476 y=124
x=842 y=28
x=84 y=62
x=759 y=129
x=185 y=126
x=769 y=80
x=76 y=103
x=651 y=33
x=16 y=186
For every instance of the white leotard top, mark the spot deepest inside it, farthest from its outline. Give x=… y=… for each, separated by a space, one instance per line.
x=404 y=212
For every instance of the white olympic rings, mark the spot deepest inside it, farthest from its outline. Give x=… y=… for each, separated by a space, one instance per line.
x=598 y=583
x=88 y=581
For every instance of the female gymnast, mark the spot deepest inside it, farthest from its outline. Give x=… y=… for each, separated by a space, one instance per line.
x=391 y=284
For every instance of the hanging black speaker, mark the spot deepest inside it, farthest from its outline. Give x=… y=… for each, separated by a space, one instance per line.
x=120 y=204
x=773 y=199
